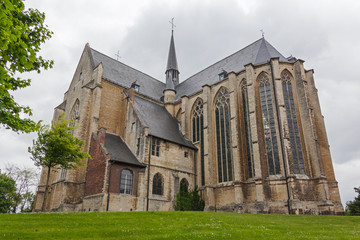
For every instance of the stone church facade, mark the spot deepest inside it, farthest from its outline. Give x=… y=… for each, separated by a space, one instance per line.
x=247 y=130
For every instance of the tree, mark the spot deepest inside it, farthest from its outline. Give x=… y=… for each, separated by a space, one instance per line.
x=56 y=147
x=189 y=200
x=26 y=179
x=353 y=207
x=8 y=195
x=21 y=34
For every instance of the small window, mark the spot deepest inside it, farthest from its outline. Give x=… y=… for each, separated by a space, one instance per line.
x=155 y=148
x=186 y=154
x=135 y=86
x=126 y=182
x=184 y=185
x=138 y=147
x=80 y=76
x=223 y=75
x=157 y=184
x=133 y=127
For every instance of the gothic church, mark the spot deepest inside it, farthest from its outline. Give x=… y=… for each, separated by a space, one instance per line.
x=247 y=130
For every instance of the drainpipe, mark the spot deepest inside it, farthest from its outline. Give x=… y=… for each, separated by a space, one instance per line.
x=108 y=196
x=148 y=175
x=281 y=138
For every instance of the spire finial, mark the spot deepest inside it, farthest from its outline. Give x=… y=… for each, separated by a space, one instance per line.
x=172 y=24
x=262 y=33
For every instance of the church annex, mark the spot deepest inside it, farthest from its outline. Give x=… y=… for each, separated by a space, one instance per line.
x=247 y=130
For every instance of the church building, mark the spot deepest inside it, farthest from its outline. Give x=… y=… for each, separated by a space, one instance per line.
x=247 y=131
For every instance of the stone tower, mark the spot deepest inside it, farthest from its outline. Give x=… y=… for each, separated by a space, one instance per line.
x=172 y=77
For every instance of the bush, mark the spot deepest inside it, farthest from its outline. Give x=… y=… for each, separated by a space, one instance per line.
x=353 y=207
x=189 y=200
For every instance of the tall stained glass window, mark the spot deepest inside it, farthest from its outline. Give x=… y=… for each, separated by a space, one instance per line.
x=223 y=136
x=198 y=134
x=248 y=138
x=296 y=159
x=267 y=109
x=126 y=182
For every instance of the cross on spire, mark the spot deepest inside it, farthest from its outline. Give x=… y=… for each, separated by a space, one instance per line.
x=172 y=24
x=262 y=33
x=117 y=55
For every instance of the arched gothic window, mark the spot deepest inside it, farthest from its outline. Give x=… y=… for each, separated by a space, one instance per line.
x=198 y=133
x=184 y=185
x=126 y=181
x=267 y=109
x=75 y=113
x=248 y=138
x=197 y=121
x=296 y=158
x=157 y=184
x=223 y=135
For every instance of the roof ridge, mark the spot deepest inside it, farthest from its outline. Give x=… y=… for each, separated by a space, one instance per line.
x=126 y=65
x=220 y=61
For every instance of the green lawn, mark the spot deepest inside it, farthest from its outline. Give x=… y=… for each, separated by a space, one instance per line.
x=176 y=225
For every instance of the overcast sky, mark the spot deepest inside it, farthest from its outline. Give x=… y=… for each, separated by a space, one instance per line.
x=323 y=33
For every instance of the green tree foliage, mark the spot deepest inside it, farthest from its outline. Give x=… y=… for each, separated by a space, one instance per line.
x=353 y=207
x=8 y=195
x=56 y=147
x=21 y=34
x=189 y=200
x=26 y=179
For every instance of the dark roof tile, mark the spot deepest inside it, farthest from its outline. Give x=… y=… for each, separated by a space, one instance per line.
x=123 y=75
x=160 y=122
x=119 y=150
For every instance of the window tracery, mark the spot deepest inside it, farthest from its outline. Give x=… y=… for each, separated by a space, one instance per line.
x=198 y=134
x=126 y=182
x=267 y=109
x=75 y=113
x=155 y=147
x=223 y=135
x=296 y=158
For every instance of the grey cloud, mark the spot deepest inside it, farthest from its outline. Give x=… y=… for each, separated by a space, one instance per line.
x=322 y=33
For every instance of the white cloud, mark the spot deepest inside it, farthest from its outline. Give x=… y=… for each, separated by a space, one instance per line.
x=347 y=175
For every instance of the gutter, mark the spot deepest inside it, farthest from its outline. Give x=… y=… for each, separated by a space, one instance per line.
x=148 y=176
x=108 y=195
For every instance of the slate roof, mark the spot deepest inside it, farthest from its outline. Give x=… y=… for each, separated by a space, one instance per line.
x=172 y=61
x=256 y=53
x=259 y=52
x=119 y=150
x=123 y=75
x=160 y=122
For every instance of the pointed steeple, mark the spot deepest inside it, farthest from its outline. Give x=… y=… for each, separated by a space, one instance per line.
x=172 y=71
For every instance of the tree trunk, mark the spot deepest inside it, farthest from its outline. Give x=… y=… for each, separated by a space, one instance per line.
x=46 y=190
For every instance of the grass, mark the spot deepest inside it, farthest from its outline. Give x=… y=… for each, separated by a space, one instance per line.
x=176 y=225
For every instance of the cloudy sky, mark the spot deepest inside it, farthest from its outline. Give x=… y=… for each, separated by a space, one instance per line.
x=323 y=33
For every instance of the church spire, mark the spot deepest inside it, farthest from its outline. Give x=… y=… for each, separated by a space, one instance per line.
x=172 y=71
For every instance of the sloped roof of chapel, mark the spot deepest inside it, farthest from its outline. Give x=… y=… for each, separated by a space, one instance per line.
x=119 y=151
x=256 y=53
x=160 y=122
x=259 y=52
